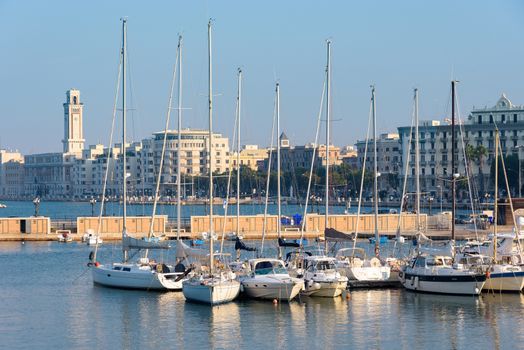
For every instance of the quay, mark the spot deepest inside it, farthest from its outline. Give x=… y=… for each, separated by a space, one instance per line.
x=251 y=227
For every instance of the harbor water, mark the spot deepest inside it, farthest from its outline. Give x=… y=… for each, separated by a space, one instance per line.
x=48 y=301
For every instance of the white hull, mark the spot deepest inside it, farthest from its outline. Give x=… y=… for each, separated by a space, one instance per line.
x=325 y=289
x=273 y=290
x=211 y=291
x=416 y=283
x=504 y=282
x=93 y=241
x=135 y=279
x=368 y=273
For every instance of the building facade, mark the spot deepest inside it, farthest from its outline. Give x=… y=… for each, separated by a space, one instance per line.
x=11 y=174
x=477 y=132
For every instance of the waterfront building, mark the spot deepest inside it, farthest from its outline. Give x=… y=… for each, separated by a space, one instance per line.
x=299 y=157
x=477 y=131
x=251 y=156
x=349 y=156
x=11 y=174
x=388 y=161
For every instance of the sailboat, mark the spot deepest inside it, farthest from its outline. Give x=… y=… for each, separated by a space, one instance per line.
x=360 y=270
x=212 y=286
x=434 y=271
x=321 y=277
x=501 y=255
x=144 y=274
x=267 y=278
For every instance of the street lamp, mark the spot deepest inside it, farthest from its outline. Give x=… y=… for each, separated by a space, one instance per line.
x=430 y=199
x=92 y=202
x=36 y=202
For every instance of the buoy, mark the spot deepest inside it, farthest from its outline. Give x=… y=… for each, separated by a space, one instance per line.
x=275 y=301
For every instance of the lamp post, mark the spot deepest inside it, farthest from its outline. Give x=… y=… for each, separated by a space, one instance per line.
x=92 y=202
x=430 y=199
x=36 y=202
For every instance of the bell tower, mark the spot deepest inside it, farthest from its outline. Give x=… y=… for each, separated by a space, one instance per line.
x=73 y=128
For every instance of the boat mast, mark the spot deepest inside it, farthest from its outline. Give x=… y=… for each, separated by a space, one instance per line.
x=279 y=233
x=328 y=112
x=210 y=147
x=124 y=163
x=375 y=170
x=417 y=162
x=495 y=212
x=453 y=160
x=239 y=95
x=178 y=168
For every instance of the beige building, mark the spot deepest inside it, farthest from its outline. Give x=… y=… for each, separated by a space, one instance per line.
x=300 y=157
x=11 y=174
x=251 y=156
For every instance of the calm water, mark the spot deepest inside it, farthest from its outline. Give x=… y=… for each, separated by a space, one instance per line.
x=71 y=210
x=48 y=301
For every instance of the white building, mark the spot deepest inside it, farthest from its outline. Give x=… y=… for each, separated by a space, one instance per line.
x=11 y=174
x=478 y=131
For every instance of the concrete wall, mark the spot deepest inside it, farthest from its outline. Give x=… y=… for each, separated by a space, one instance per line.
x=34 y=225
x=111 y=224
x=387 y=223
x=248 y=224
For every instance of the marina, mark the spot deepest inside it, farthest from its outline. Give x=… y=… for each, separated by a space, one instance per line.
x=87 y=316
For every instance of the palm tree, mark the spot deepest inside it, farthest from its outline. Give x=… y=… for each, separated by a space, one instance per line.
x=481 y=153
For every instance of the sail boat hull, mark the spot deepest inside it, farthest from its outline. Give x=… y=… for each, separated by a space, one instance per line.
x=211 y=291
x=466 y=284
x=130 y=276
x=505 y=278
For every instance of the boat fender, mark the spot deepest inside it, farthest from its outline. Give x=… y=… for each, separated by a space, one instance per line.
x=91 y=255
x=488 y=274
x=241 y=288
x=316 y=286
x=97 y=264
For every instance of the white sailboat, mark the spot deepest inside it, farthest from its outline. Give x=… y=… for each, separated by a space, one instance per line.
x=432 y=272
x=501 y=255
x=212 y=286
x=360 y=270
x=321 y=278
x=144 y=274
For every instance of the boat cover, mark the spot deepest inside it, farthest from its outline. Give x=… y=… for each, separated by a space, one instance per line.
x=240 y=245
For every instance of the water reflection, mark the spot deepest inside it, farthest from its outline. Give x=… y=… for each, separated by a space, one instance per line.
x=48 y=302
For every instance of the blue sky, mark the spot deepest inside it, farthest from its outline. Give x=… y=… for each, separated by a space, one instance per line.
x=49 y=47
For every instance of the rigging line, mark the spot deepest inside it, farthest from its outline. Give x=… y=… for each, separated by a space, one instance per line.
x=162 y=155
x=467 y=170
x=515 y=226
x=405 y=182
x=264 y=224
x=311 y=169
x=362 y=176
x=228 y=188
x=109 y=156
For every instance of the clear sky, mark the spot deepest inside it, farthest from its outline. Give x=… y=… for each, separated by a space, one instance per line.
x=48 y=47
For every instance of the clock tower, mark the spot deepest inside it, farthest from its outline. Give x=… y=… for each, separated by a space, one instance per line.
x=73 y=129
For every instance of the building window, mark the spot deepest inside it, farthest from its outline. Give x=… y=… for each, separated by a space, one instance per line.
x=503 y=118
x=479 y=119
x=480 y=133
x=491 y=119
x=514 y=118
